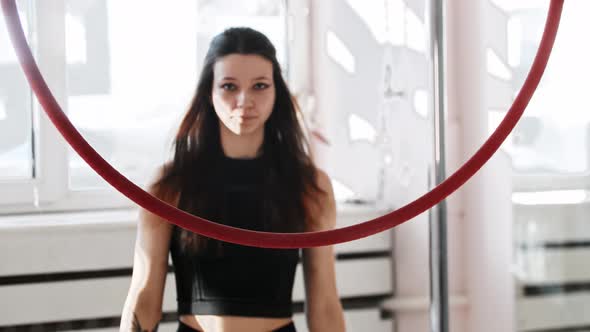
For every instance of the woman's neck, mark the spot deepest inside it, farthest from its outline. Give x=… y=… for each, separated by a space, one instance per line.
x=241 y=146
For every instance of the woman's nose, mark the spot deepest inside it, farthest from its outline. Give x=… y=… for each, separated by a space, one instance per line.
x=244 y=99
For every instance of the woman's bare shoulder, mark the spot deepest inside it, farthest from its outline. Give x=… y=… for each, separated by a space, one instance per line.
x=323 y=180
x=157 y=186
x=322 y=206
x=159 y=189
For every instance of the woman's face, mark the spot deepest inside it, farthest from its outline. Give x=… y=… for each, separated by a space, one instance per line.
x=243 y=93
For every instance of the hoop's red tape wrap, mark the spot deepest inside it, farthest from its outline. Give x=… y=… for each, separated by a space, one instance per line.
x=278 y=240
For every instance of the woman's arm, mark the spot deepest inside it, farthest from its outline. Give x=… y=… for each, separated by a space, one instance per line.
x=143 y=306
x=323 y=307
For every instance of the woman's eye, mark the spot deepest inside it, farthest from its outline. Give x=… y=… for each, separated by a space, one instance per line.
x=260 y=86
x=228 y=87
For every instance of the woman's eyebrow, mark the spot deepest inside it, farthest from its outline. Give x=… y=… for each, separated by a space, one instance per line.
x=229 y=78
x=261 y=78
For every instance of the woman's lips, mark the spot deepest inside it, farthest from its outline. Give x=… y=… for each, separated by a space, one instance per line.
x=247 y=117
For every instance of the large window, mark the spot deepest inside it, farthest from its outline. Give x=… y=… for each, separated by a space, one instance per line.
x=552 y=137
x=128 y=84
x=374 y=95
x=124 y=72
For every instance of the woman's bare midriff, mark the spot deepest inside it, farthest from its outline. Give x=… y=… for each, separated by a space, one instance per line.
x=208 y=323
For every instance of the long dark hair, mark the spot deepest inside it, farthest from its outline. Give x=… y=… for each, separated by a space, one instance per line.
x=290 y=178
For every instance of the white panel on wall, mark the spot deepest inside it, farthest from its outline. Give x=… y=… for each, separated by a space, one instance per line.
x=163 y=327
x=66 y=250
x=355 y=278
x=552 y=266
x=70 y=300
x=32 y=244
x=553 y=312
x=538 y=223
x=363 y=320
x=349 y=215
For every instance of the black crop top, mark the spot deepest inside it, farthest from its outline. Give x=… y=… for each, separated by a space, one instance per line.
x=242 y=281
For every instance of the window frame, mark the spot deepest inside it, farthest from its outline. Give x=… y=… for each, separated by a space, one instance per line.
x=48 y=190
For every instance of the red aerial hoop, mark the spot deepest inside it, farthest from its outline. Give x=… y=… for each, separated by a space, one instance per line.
x=279 y=240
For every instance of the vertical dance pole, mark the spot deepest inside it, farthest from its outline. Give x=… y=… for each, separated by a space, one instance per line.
x=439 y=294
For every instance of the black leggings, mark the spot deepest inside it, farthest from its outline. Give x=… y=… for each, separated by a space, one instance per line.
x=182 y=327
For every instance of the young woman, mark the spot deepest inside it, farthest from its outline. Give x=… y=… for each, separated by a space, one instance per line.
x=240 y=159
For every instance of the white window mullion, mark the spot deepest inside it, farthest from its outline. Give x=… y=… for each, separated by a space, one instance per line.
x=298 y=48
x=51 y=151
